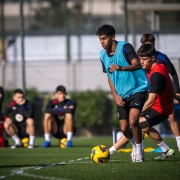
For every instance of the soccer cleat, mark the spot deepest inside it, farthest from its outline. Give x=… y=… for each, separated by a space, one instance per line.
x=69 y=144
x=16 y=146
x=165 y=155
x=138 y=158
x=133 y=154
x=46 y=144
x=30 y=146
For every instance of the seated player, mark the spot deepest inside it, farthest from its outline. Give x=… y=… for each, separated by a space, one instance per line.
x=59 y=118
x=158 y=106
x=22 y=125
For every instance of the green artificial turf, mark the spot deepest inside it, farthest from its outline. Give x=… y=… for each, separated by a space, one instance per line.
x=39 y=163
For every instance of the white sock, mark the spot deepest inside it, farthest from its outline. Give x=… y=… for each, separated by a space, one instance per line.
x=31 y=140
x=112 y=150
x=164 y=147
x=69 y=136
x=178 y=141
x=132 y=140
x=16 y=139
x=139 y=148
x=47 y=136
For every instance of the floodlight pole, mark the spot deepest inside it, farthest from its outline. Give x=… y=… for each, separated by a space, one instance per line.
x=22 y=45
x=125 y=20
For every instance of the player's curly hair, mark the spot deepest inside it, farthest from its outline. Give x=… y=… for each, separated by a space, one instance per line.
x=106 y=29
x=146 y=50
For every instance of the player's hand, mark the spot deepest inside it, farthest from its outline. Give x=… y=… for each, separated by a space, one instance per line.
x=115 y=67
x=177 y=97
x=119 y=100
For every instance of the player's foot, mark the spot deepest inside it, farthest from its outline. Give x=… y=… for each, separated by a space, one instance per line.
x=46 y=144
x=163 y=155
x=69 y=144
x=16 y=146
x=30 y=146
x=133 y=154
x=179 y=149
x=138 y=158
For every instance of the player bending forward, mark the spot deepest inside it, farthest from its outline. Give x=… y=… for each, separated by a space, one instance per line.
x=59 y=118
x=22 y=125
x=159 y=104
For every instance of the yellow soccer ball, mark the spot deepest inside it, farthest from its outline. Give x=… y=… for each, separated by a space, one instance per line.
x=62 y=143
x=25 y=141
x=100 y=154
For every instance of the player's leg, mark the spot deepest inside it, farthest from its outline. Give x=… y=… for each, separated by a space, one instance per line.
x=68 y=128
x=50 y=127
x=137 y=132
x=146 y=126
x=175 y=128
x=30 y=130
x=12 y=130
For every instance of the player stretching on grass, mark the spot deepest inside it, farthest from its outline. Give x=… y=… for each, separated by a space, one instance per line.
x=59 y=118
x=127 y=81
x=162 y=58
x=159 y=104
x=23 y=125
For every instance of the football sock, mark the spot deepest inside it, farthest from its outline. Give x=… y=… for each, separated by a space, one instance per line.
x=16 y=139
x=69 y=136
x=112 y=150
x=47 y=136
x=164 y=147
x=178 y=141
x=139 y=148
x=31 y=140
x=132 y=140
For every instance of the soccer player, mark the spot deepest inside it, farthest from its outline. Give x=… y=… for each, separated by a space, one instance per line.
x=159 y=104
x=22 y=125
x=162 y=58
x=59 y=118
x=127 y=81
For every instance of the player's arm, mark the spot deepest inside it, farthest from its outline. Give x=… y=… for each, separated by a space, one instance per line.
x=8 y=110
x=71 y=106
x=158 y=84
x=132 y=59
x=172 y=71
x=117 y=98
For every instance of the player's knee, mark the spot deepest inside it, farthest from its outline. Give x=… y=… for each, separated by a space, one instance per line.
x=7 y=123
x=30 y=122
x=47 y=116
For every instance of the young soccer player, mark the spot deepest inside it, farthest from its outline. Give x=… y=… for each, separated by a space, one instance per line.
x=59 y=118
x=159 y=104
x=127 y=81
x=162 y=58
x=22 y=125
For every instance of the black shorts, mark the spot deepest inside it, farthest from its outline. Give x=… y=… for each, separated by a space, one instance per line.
x=136 y=100
x=60 y=133
x=21 y=129
x=153 y=117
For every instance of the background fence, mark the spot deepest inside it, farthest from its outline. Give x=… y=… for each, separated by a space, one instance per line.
x=60 y=45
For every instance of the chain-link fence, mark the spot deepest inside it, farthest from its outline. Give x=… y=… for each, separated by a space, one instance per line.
x=61 y=31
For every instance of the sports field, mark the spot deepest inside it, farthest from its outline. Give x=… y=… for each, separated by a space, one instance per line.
x=74 y=163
